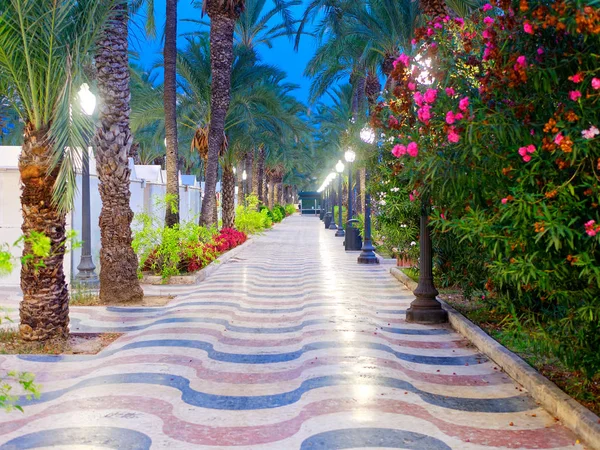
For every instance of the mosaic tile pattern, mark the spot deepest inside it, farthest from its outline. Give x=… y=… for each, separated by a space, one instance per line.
x=289 y=345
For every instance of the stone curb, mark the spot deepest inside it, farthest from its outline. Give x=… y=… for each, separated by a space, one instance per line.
x=199 y=276
x=584 y=423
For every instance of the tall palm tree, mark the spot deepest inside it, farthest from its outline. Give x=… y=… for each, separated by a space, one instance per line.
x=42 y=47
x=170 y=105
x=223 y=14
x=118 y=262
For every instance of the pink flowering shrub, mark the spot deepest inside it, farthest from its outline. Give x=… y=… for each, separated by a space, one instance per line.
x=509 y=153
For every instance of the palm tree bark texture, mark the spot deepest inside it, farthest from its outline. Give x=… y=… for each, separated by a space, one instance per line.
x=118 y=262
x=223 y=15
x=44 y=310
x=260 y=173
x=170 y=105
x=250 y=172
x=228 y=199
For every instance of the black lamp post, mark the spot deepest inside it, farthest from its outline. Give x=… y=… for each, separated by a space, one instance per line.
x=425 y=308
x=367 y=255
x=86 y=274
x=339 y=167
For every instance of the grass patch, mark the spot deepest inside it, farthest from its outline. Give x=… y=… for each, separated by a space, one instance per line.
x=526 y=343
x=75 y=344
x=412 y=273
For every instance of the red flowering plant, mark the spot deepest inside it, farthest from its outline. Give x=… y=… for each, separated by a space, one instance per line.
x=496 y=119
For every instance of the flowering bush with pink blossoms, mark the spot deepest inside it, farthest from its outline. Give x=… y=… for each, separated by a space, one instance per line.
x=502 y=113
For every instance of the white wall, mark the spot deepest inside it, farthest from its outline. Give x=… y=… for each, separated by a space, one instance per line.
x=144 y=195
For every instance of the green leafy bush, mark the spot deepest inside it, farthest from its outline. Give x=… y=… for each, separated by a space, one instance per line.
x=251 y=221
x=501 y=133
x=278 y=213
x=290 y=209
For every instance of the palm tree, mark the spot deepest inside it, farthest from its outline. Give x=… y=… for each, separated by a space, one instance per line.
x=42 y=47
x=170 y=104
x=118 y=262
x=223 y=14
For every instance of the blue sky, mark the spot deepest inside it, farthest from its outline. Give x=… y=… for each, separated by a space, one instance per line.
x=281 y=55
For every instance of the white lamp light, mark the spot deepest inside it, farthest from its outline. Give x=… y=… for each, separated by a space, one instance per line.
x=349 y=156
x=244 y=175
x=367 y=135
x=87 y=99
x=339 y=166
x=234 y=170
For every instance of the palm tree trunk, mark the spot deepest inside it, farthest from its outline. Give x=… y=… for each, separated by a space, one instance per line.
x=250 y=172
x=260 y=173
x=170 y=105
x=265 y=185
x=228 y=196
x=221 y=60
x=118 y=263
x=360 y=190
x=239 y=181
x=44 y=310
x=271 y=192
x=255 y=177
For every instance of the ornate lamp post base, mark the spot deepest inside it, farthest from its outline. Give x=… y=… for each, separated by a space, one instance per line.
x=340 y=232
x=86 y=275
x=425 y=308
x=332 y=225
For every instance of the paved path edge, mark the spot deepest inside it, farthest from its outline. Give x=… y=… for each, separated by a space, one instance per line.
x=583 y=422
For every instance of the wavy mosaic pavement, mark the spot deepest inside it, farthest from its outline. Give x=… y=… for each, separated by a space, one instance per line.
x=289 y=345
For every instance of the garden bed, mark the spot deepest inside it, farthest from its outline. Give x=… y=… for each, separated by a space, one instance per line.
x=198 y=276
x=75 y=344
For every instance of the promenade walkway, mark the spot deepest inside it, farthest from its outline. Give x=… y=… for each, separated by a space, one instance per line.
x=289 y=345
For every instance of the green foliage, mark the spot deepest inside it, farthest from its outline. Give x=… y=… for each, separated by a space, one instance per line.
x=40 y=247
x=514 y=178
x=278 y=213
x=290 y=209
x=251 y=221
x=344 y=215
x=159 y=248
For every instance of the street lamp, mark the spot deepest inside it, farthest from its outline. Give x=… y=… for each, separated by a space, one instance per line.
x=350 y=156
x=339 y=167
x=367 y=255
x=86 y=274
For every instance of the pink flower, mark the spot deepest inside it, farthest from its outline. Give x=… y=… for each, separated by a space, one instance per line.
x=590 y=133
x=540 y=51
x=443 y=216
x=596 y=83
x=463 y=104
x=453 y=136
x=558 y=138
x=411 y=197
x=591 y=228
x=460 y=21
x=450 y=118
x=438 y=25
x=450 y=92
x=392 y=121
x=413 y=41
x=486 y=34
x=523 y=151
x=532 y=132
x=418 y=97
x=412 y=86
x=531 y=148
x=574 y=95
x=526 y=151
x=399 y=150
x=577 y=78
x=424 y=113
x=404 y=59
x=412 y=149
x=430 y=95
x=458 y=116
x=487 y=7
x=504 y=201
x=522 y=61
x=528 y=28
x=526 y=158
x=488 y=21
x=429 y=32
x=433 y=45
